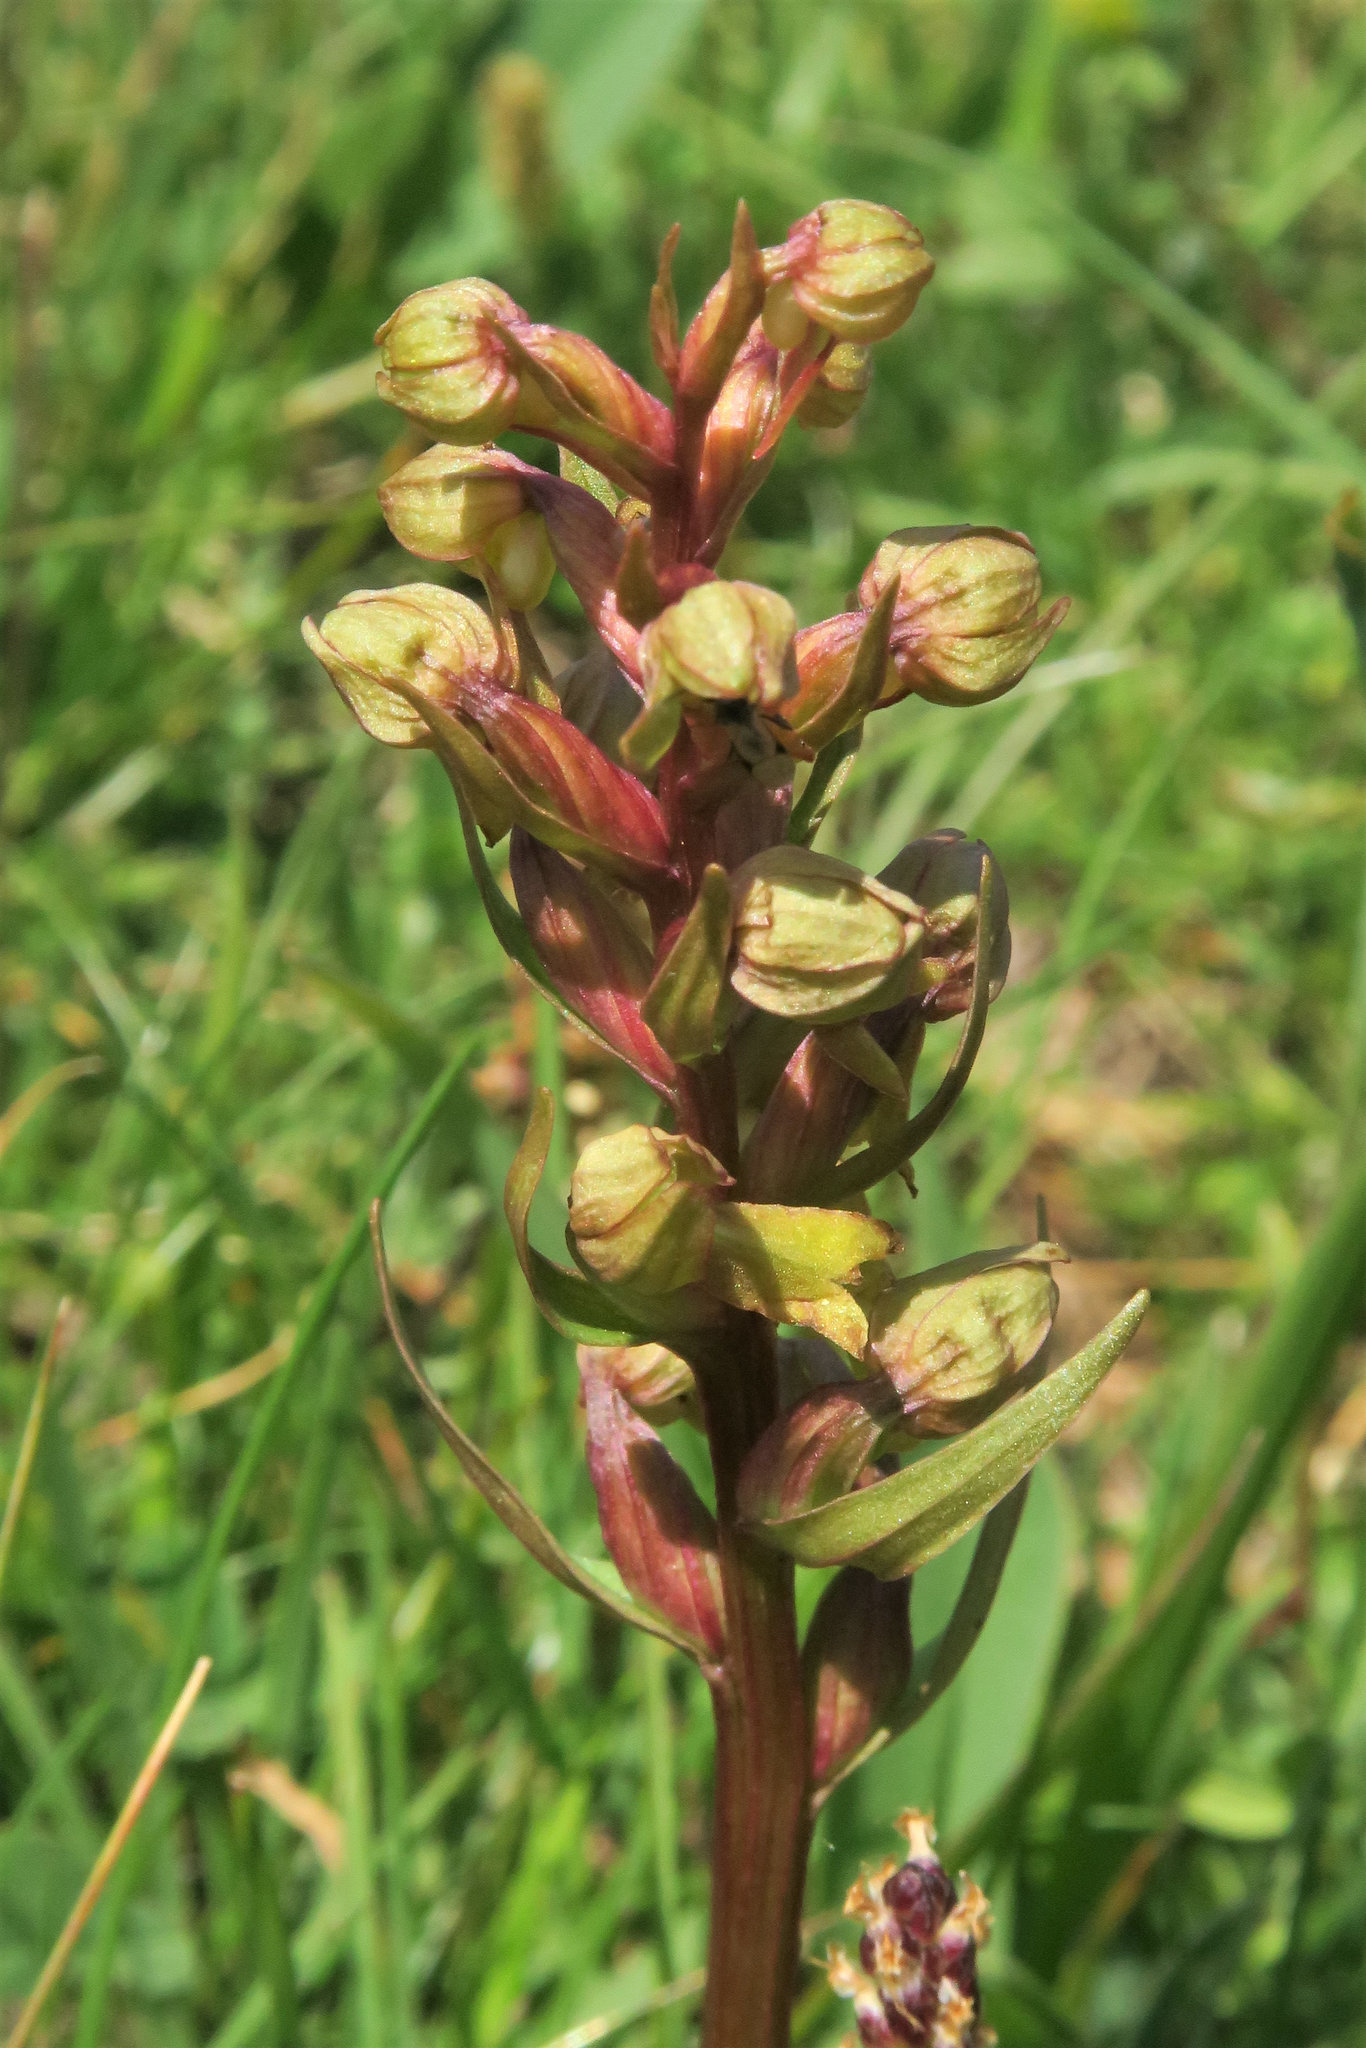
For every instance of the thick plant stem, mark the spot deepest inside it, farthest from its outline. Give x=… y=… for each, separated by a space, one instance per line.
x=761 y=1826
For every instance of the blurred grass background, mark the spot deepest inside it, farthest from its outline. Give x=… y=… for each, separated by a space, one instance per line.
x=238 y=945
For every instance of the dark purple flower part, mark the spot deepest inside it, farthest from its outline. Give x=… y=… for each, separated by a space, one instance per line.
x=918 y=1952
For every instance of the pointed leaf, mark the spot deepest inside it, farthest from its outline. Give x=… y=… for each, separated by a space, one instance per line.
x=853 y=1047
x=664 y=309
x=687 y=999
x=729 y=311
x=836 y=695
x=661 y=1536
x=945 y=1656
x=895 y=1526
x=569 y=1303
x=502 y=1496
x=829 y=772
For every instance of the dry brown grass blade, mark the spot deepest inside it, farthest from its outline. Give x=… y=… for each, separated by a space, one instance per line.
x=210 y=1393
x=23 y=1106
x=33 y=1429
x=108 y=1857
x=268 y=1780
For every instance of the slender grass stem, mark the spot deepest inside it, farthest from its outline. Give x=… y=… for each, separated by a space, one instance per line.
x=250 y=1459
x=28 y=1442
x=108 y=1856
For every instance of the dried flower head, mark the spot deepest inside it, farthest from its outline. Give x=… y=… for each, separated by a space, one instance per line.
x=916 y=1979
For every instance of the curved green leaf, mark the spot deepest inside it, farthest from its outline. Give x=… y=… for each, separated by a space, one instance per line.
x=829 y=772
x=898 y=1524
x=944 y=1657
x=509 y=930
x=515 y=1513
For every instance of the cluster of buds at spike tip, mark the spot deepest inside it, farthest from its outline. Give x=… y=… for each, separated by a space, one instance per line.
x=915 y=1983
x=659 y=795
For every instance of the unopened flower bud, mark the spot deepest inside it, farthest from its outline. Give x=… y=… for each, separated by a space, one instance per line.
x=840 y=389
x=816 y=1450
x=470 y=505
x=520 y=558
x=641 y=1208
x=444 y=365
x=721 y=645
x=816 y=938
x=953 y=1342
x=428 y=636
x=736 y=425
x=943 y=873
x=856 y=1663
x=786 y=325
x=464 y=361
x=967 y=622
x=420 y=666
x=447 y=503
x=852 y=266
x=658 y=1383
x=605 y=394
